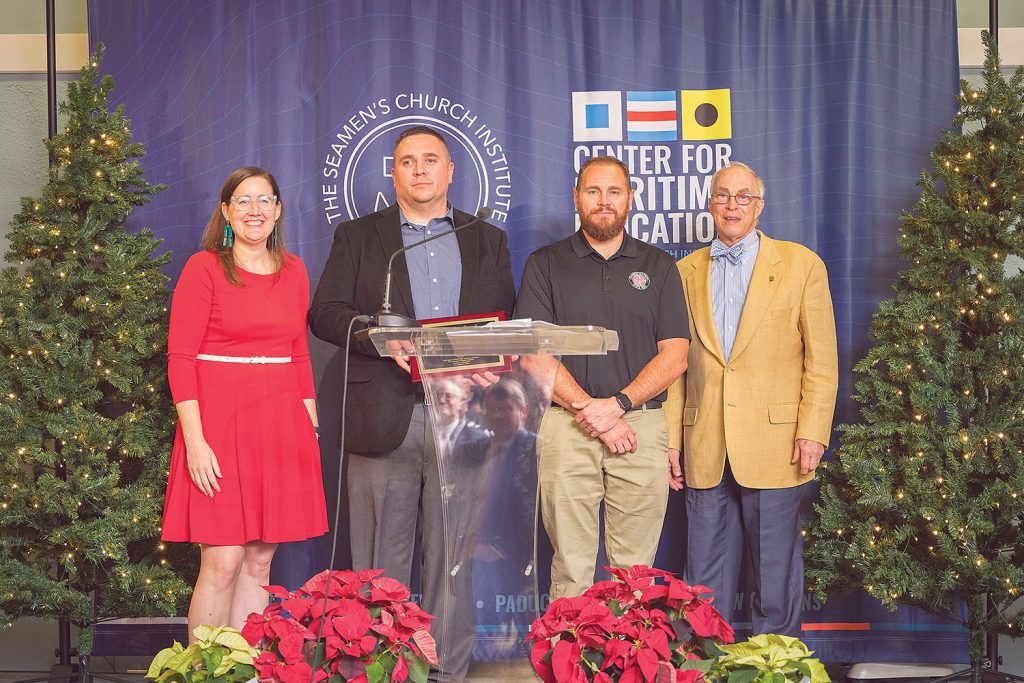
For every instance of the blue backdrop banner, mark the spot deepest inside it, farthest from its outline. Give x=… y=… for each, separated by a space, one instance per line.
x=836 y=104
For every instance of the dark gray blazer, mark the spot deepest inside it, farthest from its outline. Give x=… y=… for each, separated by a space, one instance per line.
x=380 y=394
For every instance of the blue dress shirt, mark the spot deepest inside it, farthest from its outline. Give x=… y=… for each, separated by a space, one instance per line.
x=435 y=268
x=729 y=283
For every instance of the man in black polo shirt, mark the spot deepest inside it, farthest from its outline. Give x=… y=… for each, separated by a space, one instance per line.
x=604 y=439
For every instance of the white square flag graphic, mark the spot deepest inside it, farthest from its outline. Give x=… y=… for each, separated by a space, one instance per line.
x=597 y=115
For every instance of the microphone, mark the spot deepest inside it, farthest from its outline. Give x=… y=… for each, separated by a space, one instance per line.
x=384 y=317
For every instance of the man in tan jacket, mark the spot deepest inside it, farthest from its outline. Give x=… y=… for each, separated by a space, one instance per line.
x=756 y=412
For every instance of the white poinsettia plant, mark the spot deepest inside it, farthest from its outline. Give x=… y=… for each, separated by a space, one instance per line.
x=768 y=658
x=218 y=655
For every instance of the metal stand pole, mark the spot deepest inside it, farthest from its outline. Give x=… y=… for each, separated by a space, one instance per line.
x=993 y=21
x=51 y=66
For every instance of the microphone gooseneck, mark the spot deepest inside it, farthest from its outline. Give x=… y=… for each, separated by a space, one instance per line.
x=384 y=317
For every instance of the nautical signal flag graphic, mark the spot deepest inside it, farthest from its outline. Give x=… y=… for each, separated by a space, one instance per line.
x=706 y=114
x=597 y=115
x=651 y=116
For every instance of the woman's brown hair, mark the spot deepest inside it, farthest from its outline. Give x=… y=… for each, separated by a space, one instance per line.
x=213 y=235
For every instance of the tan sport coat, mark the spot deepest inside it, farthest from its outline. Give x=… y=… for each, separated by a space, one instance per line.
x=779 y=383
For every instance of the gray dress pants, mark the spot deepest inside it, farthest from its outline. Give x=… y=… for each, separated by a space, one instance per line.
x=389 y=494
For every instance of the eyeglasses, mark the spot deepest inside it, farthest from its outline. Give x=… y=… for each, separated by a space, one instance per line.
x=743 y=198
x=449 y=397
x=265 y=202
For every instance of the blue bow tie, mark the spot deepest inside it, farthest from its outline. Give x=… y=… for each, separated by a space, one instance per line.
x=733 y=253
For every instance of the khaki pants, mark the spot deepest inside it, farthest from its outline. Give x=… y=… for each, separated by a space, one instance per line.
x=577 y=473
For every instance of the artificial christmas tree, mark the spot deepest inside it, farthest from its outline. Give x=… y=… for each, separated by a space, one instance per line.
x=85 y=417
x=924 y=501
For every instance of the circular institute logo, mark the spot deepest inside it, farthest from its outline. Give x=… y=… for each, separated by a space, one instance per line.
x=357 y=169
x=639 y=279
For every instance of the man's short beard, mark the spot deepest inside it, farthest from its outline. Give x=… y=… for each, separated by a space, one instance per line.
x=596 y=232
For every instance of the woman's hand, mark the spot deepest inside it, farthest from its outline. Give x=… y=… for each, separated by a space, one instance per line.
x=203 y=467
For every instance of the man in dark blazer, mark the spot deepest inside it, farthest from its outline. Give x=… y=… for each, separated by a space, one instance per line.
x=393 y=480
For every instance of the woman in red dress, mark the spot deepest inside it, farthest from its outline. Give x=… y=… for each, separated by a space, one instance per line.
x=245 y=469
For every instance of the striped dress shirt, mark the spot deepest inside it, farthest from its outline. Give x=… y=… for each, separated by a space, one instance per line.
x=729 y=283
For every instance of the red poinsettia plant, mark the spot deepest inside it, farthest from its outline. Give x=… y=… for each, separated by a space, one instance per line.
x=369 y=631
x=642 y=626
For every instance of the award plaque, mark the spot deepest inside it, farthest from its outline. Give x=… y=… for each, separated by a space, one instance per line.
x=451 y=366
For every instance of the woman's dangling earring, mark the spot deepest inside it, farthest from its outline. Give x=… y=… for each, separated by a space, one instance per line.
x=229 y=236
x=274 y=244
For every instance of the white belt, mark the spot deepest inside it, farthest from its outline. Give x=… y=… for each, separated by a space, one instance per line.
x=253 y=360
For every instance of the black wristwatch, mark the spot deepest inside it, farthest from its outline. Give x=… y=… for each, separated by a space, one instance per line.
x=624 y=402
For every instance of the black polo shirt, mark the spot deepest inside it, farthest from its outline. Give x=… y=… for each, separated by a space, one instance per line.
x=637 y=292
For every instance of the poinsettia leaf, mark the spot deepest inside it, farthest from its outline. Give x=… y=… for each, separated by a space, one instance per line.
x=202 y=632
x=226 y=665
x=212 y=658
x=565 y=660
x=657 y=641
x=787 y=642
x=708 y=647
x=277 y=591
x=819 y=674
x=161 y=658
x=375 y=673
x=707 y=621
x=298 y=607
x=240 y=657
x=254 y=628
x=300 y=672
x=244 y=672
x=814 y=670
x=632 y=674
x=757 y=660
x=349 y=668
x=418 y=669
x=647 y=660
x=386 y=589
x=691 y=676
x=364 y=576
x=401 y=671
x=425 y=642
x=540 y=658
x=388 y=660
x=615 y=652
x=316 y=583
x=666 y=673
x=702 y=665
x=742 y=675
x=231 y=638
x=748 y=648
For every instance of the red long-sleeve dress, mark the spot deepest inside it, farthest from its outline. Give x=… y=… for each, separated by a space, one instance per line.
x=253 y=416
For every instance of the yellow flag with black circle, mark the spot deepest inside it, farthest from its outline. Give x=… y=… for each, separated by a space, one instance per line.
x=706 y=114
